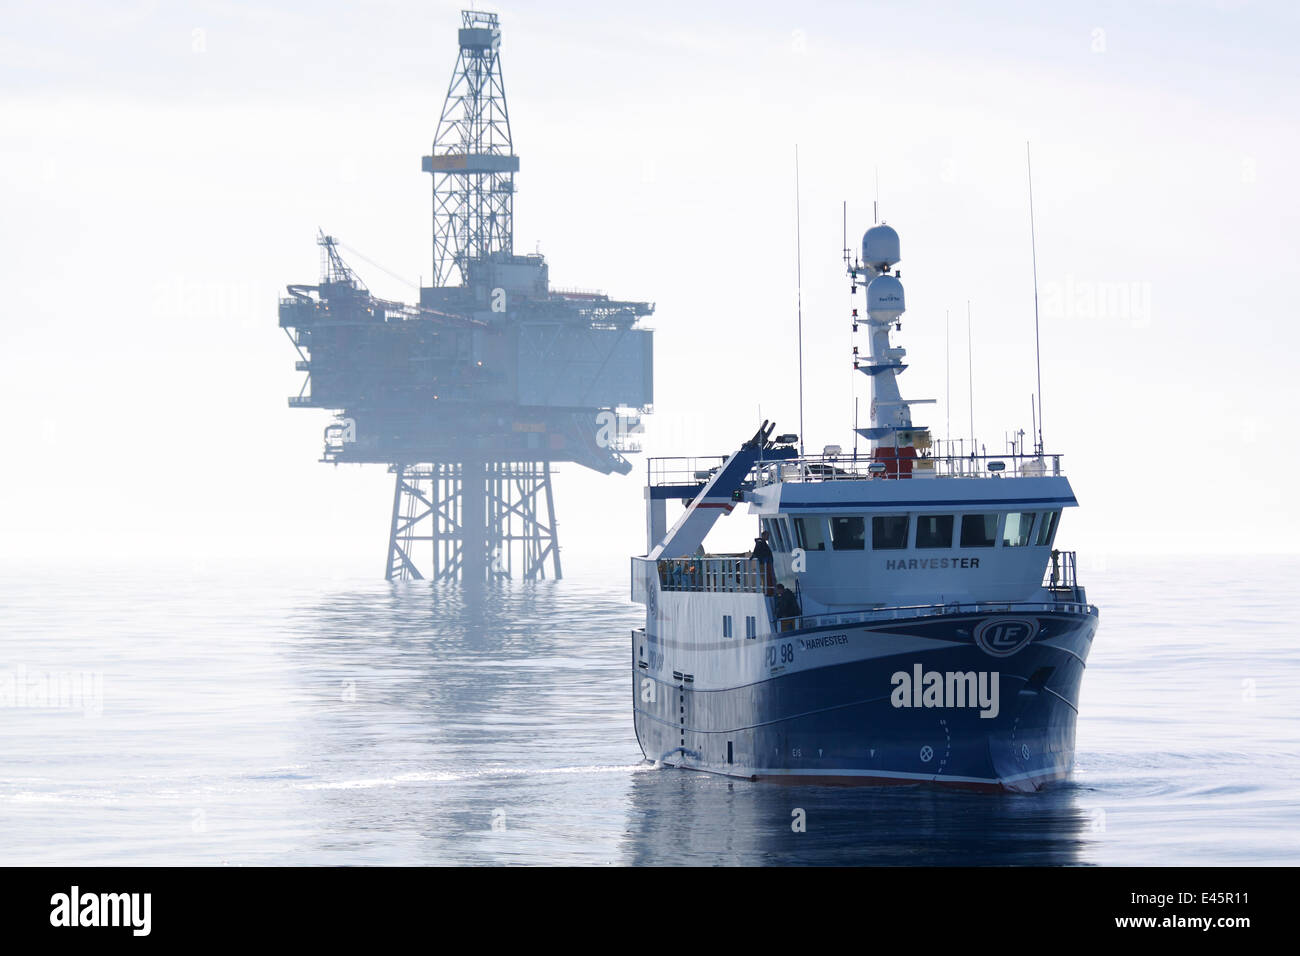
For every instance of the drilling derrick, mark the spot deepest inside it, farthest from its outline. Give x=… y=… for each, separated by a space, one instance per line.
x=473 y=163
x=473 y=395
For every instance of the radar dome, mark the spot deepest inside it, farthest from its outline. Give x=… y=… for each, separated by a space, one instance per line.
x=885 y=298
x=880 y=247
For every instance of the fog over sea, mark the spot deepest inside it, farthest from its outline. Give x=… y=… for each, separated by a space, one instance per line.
x=251 y=717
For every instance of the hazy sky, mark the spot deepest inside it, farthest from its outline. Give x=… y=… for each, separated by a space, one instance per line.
x=166 y=166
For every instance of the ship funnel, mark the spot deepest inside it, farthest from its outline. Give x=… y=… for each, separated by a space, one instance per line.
x=880 y=247
x=885 y=299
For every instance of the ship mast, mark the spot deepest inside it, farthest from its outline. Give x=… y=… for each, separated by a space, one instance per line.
x=892 y=434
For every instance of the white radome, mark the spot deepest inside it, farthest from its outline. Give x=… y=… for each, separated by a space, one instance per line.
x=880 y=247
x=885 y=299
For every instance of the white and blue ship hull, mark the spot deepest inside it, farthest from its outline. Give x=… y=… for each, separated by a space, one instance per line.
x=904 y=616
x=929 y=699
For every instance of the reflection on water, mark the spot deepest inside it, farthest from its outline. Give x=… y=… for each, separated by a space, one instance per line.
x=693 y=818
x=248 y=719
x=533 y=725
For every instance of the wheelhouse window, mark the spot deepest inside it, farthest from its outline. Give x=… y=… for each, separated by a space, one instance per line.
x=1015 y=531
x=978 y=531
x=934 y=531
x=848 y=534
x=1047 y=528
x=811 y=533
x=776 y=532
x=889 y=532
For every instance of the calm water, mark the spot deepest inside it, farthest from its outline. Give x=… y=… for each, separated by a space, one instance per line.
x=244 y=718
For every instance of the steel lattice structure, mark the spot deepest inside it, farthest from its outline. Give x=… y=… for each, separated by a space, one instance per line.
x=441 y=508
x=472 y=161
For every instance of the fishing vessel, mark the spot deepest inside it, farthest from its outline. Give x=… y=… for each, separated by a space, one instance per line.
x=905 y=617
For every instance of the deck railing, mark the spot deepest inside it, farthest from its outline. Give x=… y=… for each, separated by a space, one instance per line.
x=847 y=468
x=713 y=574
x=1062 y=577
x=694 y=472
x=728 y=573
x=682 y=471
x=736 y=573
x=932 y=610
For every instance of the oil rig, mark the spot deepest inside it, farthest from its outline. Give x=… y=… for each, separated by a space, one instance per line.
x=474 y=394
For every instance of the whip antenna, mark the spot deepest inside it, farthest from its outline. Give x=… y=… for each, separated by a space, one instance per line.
x=1033 y=247
x=798 y=255
x=970 y=377
x=947 y=383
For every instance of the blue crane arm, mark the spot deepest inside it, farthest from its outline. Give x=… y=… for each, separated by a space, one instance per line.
x=718 y=496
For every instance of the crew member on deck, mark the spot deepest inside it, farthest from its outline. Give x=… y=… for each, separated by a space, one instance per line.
x=762 y=553
x=787 y=605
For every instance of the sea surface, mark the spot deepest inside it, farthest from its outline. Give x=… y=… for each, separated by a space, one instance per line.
x=239 y=717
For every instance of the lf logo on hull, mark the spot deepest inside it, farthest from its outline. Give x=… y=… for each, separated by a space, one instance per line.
x=1003 y=636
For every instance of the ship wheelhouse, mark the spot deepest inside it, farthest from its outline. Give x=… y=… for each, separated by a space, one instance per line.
x=847 y=538
x=875 y=542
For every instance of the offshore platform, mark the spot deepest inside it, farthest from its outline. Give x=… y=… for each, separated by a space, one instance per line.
x=473 y=395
